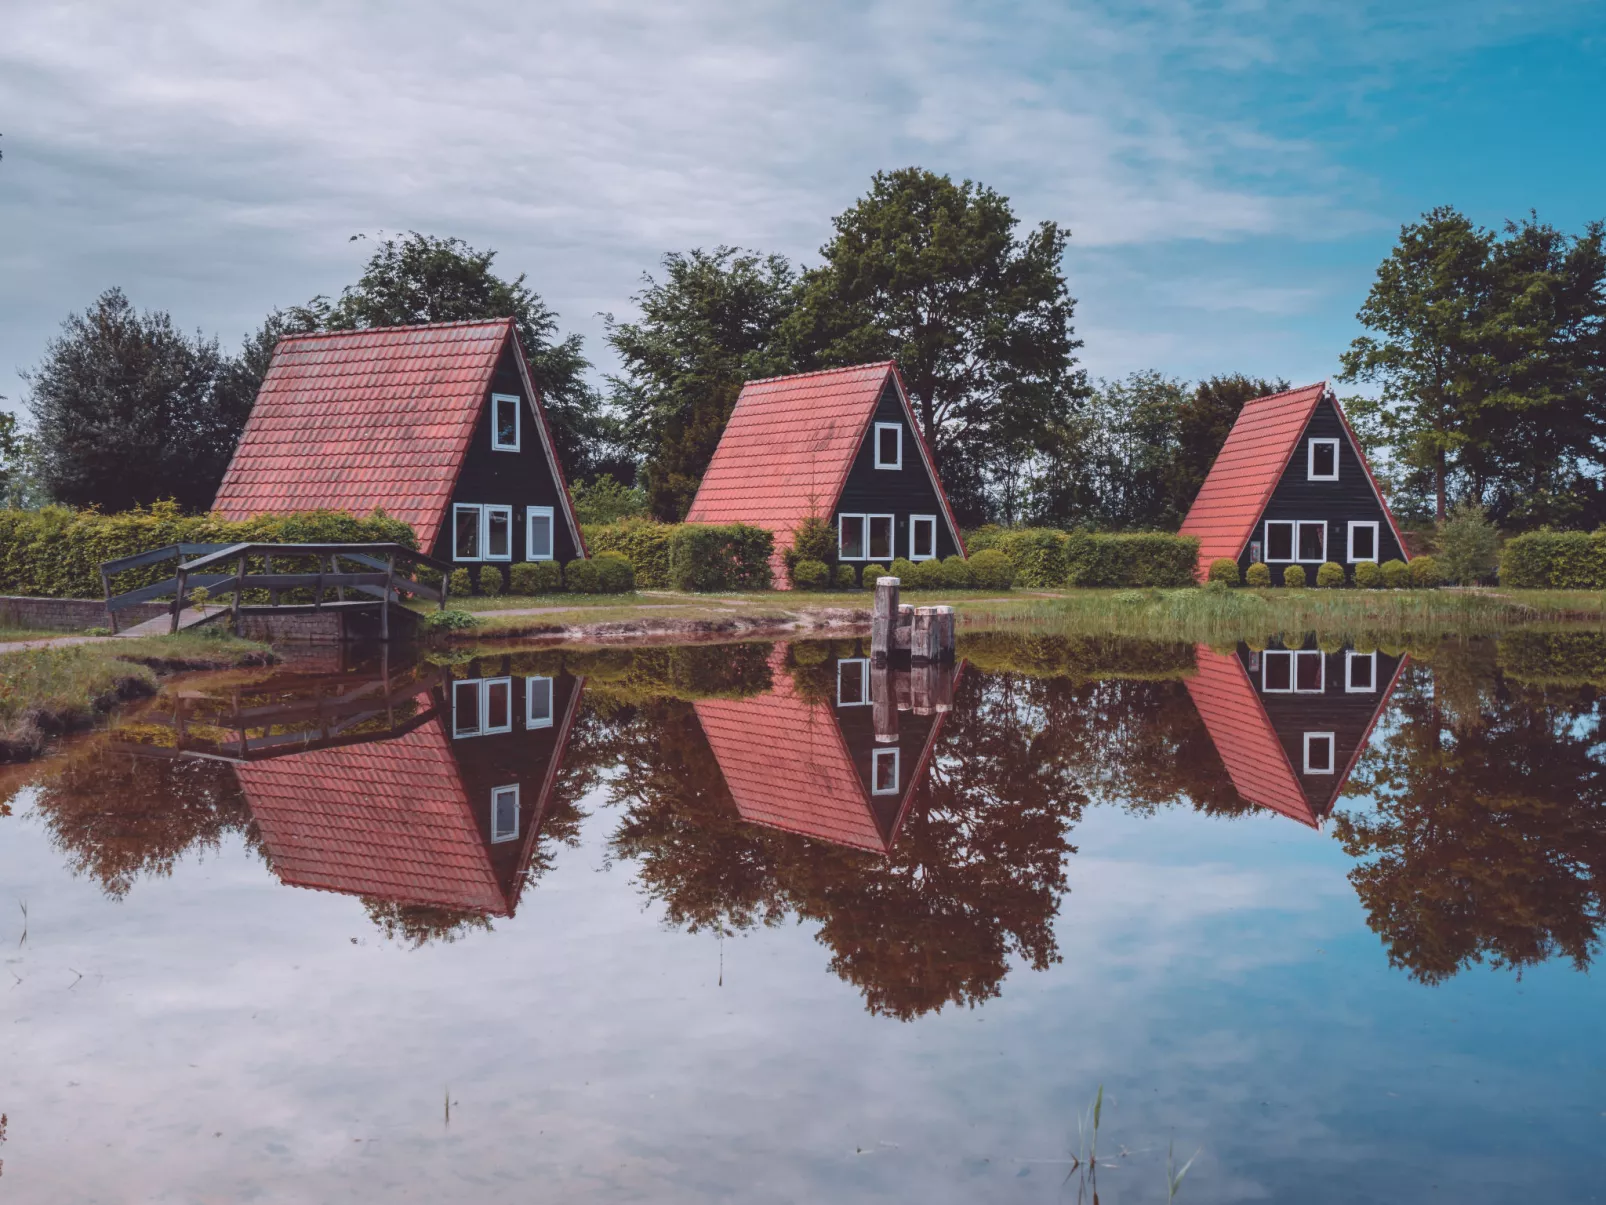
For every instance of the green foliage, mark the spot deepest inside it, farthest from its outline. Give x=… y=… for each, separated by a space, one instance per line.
x=903 y=569
x=925 y=575
x=956 y=574
x=871 y=572
x=1425 y=572
x=490 y=580
x=812 y=540
x=1330 y=576
x=535 y=577
x=705 y=557
x=810 y=575
x=1557 y=560
x=614 y=574
x=1293 y=576
x=604 y=500
x=1077 y=658
x=1224 y=569
x=460 y=584
x=644 y=543
x=1258 y=574
x=1130 y=559
x=1393 y=575
x=1369 y=574
x=1038 y=554
x=990 y=569
x=582 y=577
x=1469 y=545
x=449 y=620
x=847 y=577
x=1549 y=659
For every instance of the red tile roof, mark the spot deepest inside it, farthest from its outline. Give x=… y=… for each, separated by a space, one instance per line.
x=789 y=445
x=352 y=420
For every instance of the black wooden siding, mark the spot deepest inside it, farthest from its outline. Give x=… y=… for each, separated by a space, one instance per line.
x=896 y=492
x=517 y=479
x=1338 y=503
x=857 y=725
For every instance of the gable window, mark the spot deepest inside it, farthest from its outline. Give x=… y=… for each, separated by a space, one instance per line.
x=850 y=537
x=504 y=813
x=864 y=537
x=465 y=533
x=497 y=540
x=1292 y=671
x=880 y=538
x=1321 y=460
x=1287 y=537
x=504 y=422
x=852 y=682
x=922 y=537
x=482 y=706
x=538 y=702
x=1312 y=541
x=1360 y=672
x=538 y=534
x=1310 y=671
x=1363 y=541
x=1318 y=753
x=889 y=445
x=884 y=772
x=482 y=533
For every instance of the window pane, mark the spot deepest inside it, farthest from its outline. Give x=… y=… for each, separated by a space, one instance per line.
x=925 y=537
x=1360 y=673
x=852 y=539
x=504 y=814
x=507 y=422
x=1308 y=670
x=499 y=704
x=887 y=450
x=850 y=682
x=1312 y=541
x=498 y=533
x=881 y=538
x=1279 y=541
x=884 y=772
x=540 y=537
x=1318 y=753
x=1364 y=540
x=1323 y=459
x=466 y=707
x=538 y=701
x=467 y=534
x=1278 y=673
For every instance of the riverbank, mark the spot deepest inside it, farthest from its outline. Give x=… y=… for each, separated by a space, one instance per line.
x=46 y=692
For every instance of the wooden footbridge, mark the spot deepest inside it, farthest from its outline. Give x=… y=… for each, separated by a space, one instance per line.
x=275 y=579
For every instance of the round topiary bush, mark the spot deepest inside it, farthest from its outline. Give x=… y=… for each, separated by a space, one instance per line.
x=991 y=570
x=614 y=573
x=847 y=577
x=581 y=577
x=491 y=583
x=871 y=572
x=460 y=584
x=956 y=573
x=1294 y=576
x=1224 y=569
x=535 y=577
x=810 y=575
x=904 y=570
x=926 y=575
x=1396 y=575
x=1330 y=576
x=810 y=652
x=1369 y=575
x=1425 y=572
x=1258 y=575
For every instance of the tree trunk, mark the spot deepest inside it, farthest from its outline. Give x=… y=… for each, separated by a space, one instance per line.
x=1438 y=483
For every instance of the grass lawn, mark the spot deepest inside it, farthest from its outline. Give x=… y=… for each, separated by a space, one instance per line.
x=7 y=635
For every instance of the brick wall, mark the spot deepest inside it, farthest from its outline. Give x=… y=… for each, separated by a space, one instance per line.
x=70 y=614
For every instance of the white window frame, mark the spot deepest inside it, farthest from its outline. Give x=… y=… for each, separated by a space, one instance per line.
x=864 y=537
x=876 y=757
x=518 y=422
x=496 y=837
x=1321 y=671
x=1376 y=536
x=531 y=720
x=931 y=519
x=531 y=514
x=479 y=530
x=880 y=427
x=458 y=732
x=864 y=681
x=484 y=699
x=1332 y=752
x=1310 y=460
x=486 y=511
x=1293 y=656
x=1350 y=658
x=1296 y=524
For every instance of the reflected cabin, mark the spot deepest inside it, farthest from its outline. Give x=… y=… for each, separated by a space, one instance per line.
x=843 y=445
x=1291 y=486
x=438 y=425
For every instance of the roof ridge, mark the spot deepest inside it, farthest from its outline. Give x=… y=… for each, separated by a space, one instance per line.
x=1321 y=384
x=405 y=326
x=820 y=372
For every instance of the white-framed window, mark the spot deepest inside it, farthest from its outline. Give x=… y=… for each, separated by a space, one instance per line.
x=1362 y=542
x=1296 y=540
x=1319 y=753
x=505 y=422
x=538 y=543
x=482 y=533
x=482 y=706
x=496 y=542
x=1360 y=672
x=1293 y=671
x=538 y=702
x=884 y=772
x=889 y=445
x=1321 y=460
x=922 y=537
x=505 y=813
x=465 y=532
x=853 y=682
x=864 y=537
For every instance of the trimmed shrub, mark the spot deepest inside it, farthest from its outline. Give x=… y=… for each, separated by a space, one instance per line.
x=904 y=570
x=990 y=569
x=1330 y=576
x=1224 y=569
x=812 y=540
x=871 y=572
x=847 y=578
x=535 y=577
x=643 y=542
x=810 y=575
x=1469 y=545
x=581 y=577
x=491 y=580
x=733 y=556
x=1258 y=574
x=1038 y=554
x=955 y=573
x=926 y=575
x=1558 y=560
x=461 y=585
x=1131 y=559
x=1425 y=572
x=1294 y=576
x=1395 y=575
x=1369 y=574
x=614 y=574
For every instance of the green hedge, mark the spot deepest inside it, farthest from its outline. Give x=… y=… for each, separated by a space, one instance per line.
x=645 y=545
x=732 y=556
x=1138 y=559
x=1038 y=553
x=56 y=552
x=1558 y=560
x=1567 y=659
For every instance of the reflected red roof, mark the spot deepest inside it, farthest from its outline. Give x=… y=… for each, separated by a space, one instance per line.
x=355 y=420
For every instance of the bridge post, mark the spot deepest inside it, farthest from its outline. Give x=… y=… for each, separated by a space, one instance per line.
x=384 y=604
x=178 y=595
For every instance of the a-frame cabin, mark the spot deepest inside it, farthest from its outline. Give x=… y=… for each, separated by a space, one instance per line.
x=1291 y=486
x=842 y=445
x=1290 y=724
x=439 y=425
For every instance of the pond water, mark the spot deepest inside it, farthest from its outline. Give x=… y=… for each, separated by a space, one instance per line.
x=763 y=923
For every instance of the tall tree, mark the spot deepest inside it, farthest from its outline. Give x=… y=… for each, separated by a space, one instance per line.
x=1203 y=420
x=707 y=327
x=419 y=278
x=934 y=274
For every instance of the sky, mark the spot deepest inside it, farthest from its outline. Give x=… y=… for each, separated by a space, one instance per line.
x=1231 y=173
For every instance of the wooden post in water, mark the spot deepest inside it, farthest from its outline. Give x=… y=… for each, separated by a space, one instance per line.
x=924 y=634
x=942 y=696
x=883 y=705
x=884 y=619
x=947 y=632
x=900 y=689
x=905 y=625
x=922 y=687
